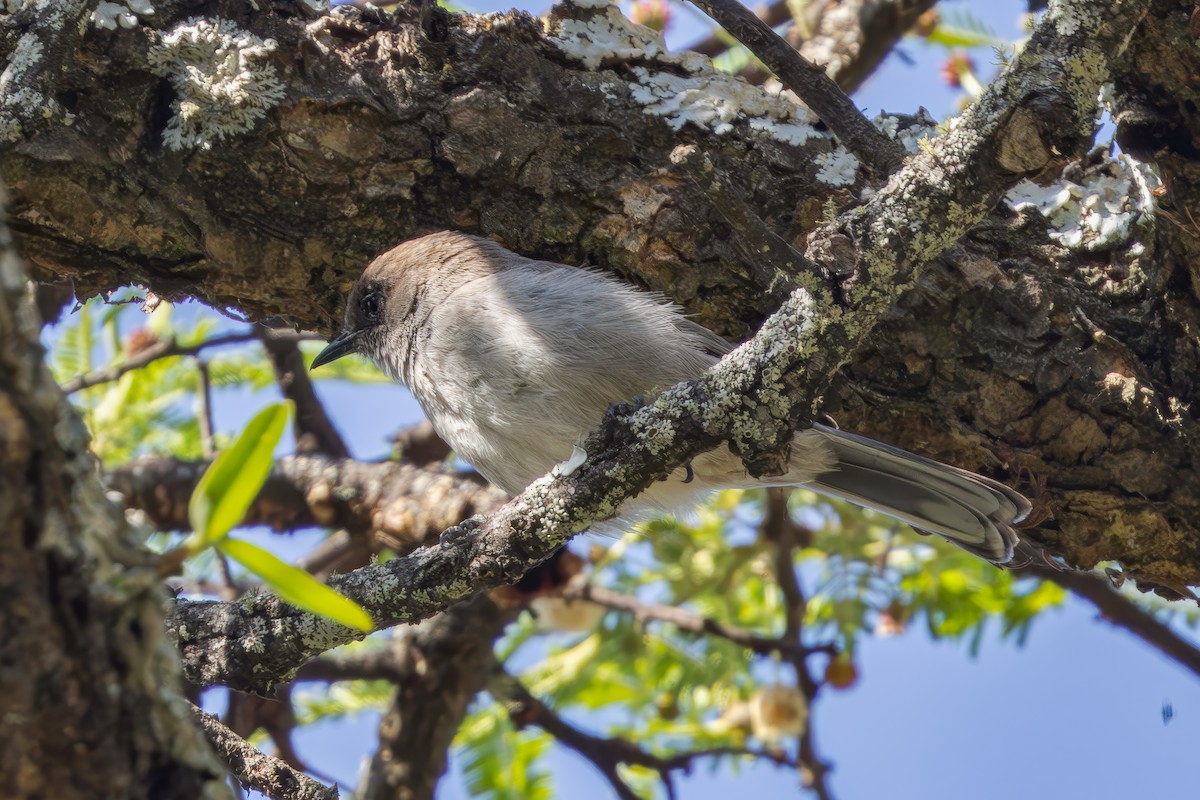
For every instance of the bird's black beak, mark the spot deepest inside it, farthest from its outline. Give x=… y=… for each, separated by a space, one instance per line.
x=343 y=345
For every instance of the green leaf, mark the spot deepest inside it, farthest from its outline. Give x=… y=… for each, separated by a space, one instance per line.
x=296 y=586
x=948 y=36
x=232 y=481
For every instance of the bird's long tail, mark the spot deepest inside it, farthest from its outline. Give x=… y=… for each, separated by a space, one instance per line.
x=969 y=510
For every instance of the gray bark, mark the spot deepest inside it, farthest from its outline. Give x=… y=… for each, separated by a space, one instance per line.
x=90 y=702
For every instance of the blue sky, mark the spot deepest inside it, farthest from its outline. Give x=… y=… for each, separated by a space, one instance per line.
x=1077 y=712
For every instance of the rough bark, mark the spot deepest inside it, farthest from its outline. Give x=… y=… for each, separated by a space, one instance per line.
x=1069 y=373
x=402 y=506
x=89 y=686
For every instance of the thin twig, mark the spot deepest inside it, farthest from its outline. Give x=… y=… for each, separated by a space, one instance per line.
x=205 y=415
x=810 y=83
x=1120 y=612
x=606 y=753
x=315 y=431
x=715 y=44
x=269 y=775
x=166 y=348
x=691 y=622
x=779 y=529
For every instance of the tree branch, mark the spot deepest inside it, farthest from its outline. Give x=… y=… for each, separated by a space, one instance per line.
x=752 y=399
x=849 y=53
x=438 y=668
x=783 y=535
x=400 y=505
x=49 y=35
x=691 y=622
x=774 y=263
x=605 y=753
x=86 y=680
x=1121 y=613
x=810 y=83
x=315 y=431
x=167 y=348
x=267 y=774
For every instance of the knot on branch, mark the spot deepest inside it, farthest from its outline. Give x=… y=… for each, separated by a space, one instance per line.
x=839 y=261
x=1020 y=146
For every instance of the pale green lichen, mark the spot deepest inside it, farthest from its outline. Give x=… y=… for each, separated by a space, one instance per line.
x=222 y=77
x=18 y=102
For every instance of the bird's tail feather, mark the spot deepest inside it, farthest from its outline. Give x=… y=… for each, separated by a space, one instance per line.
x=969 y=510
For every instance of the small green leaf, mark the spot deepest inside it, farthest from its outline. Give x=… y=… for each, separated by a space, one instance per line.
x=296 y=586
x=949 y=36
x=232 y=481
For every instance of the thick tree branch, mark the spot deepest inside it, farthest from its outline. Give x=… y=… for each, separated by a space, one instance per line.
x=446 y=663
x=49 y=34
x=752 y=399
x=389 y=127
x=438 y=668
x=398 y=504
x=84 y=679
x=420 y=445
x=770 y=258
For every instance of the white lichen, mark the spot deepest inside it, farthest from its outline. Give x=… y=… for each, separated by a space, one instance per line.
x=1066 y=18
x=922 y=126
x=1099 y=212
x=682 y=88
x=838 y=168
x=222 y=76
x=110 y=16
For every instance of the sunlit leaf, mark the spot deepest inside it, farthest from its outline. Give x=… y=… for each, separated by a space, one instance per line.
x=232 y=481
x=295 y=585
x=949 y=36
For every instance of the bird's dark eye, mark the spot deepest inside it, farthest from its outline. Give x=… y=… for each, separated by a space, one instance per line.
x=369 y=306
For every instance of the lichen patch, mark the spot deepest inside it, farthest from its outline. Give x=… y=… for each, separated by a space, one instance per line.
x=222 y=76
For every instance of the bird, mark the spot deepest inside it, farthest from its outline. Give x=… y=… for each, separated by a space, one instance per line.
x=515 y=361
